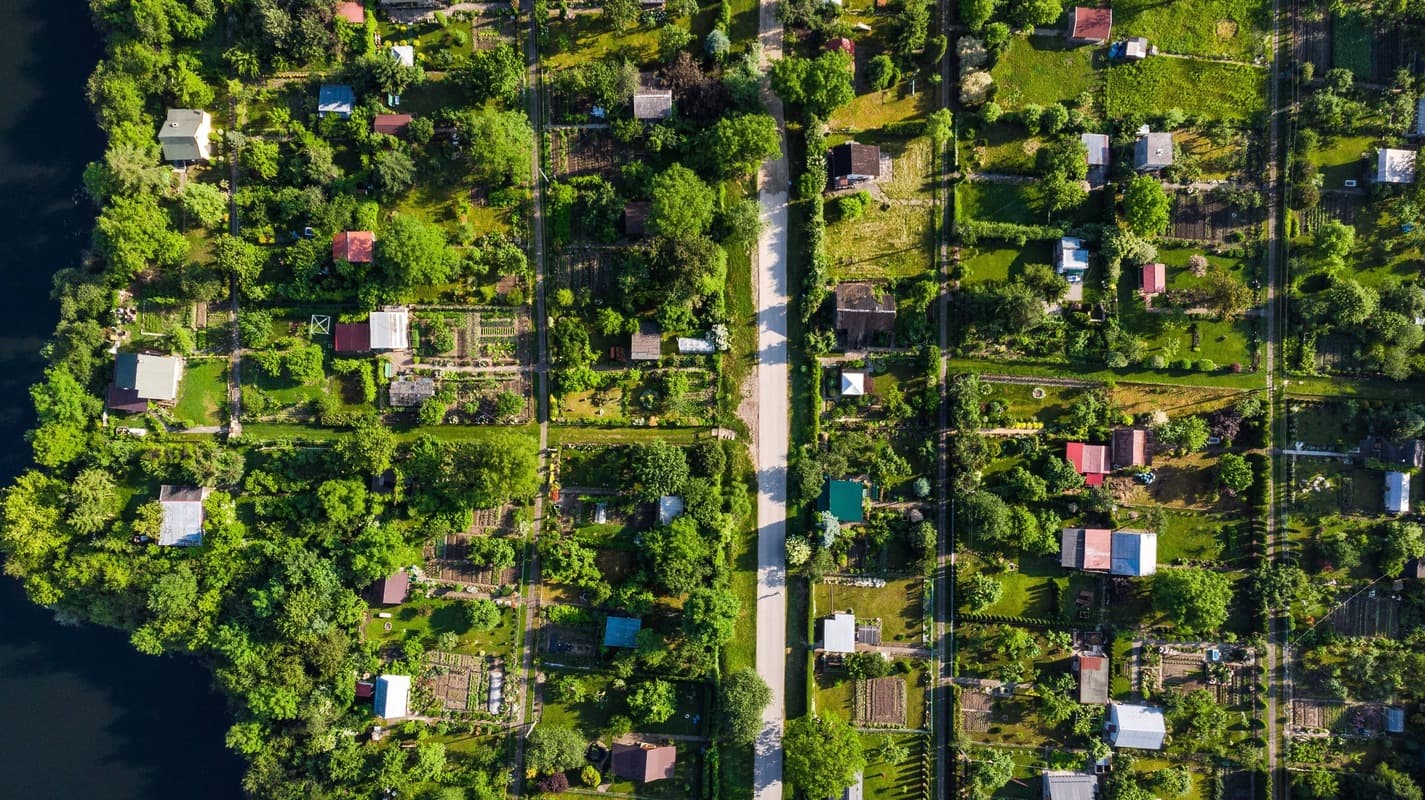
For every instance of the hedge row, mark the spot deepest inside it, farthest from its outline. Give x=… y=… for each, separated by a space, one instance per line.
x=1006 y=619
x=974 y=229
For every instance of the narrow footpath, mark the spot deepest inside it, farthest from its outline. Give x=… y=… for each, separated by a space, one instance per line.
x=772 y=435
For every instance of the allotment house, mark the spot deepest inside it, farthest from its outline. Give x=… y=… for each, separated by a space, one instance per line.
x=644 y=763
x=1395 y=166
x=335 y=98
x=1153 y=151
x=862 y=311
x=1397 y=493
x=1064 y=785
x=145 y=377
x=355 y=247
x=844 y=500
x=1092 y=670
x=1071 y=258
x=838 y=633
x=389 y=329
x=1134 y=554
x=1130 y=448
x=1140 y=727
x=850 y=163
x=1086 y=549
x=1089 y=460
x=184 y=135
x=391 y=590
x=182 y=522
x=622 y=632
x=1097 y=155
x=652 y=105
x=1090 y=25
x=646 y=344
x=393 y=695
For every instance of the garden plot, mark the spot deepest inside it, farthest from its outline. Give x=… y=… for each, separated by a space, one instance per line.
x=1369 y=613
x=490 y=30
x=881 y=702
x=454 y=680
x=1233 y=29
x=587 y=269
x=1340 y=206
x=975 y=711
x=897 y=605
x=585 y=151
x=448 y=560
x=1206 y=218
x=1209 y=89
x=483 y=337
x=1371 y=48
x=1316 y=715
x=569 y=642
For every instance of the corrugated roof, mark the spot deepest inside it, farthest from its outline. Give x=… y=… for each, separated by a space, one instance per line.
x=392 y=589
x=389 y=330
x=647 y=343
x=1397 y=492
x=151 y=377
x=1136 y=726
x=838 y=633
x=1093 y=679
x=352 y=337
x=335 y=98
x=1060 y=785
x=182 y=524
x=1153 y=151
x=653 y=105
x=1130 y=448
x=852 y=158
x=391 y=124
x=1135 y=553
x=1088 y=459
x=1091 y=24
x=1096 y=147
x=393 y=694
x=843 y=499
x=622 y=631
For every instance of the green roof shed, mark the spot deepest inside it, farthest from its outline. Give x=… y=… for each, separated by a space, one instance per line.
x=843 y=499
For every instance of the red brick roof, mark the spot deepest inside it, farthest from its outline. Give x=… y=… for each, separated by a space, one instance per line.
x=1088 y=459
x=392 y=124
x=353 y=337
x=351 y=12
x=357 y=247
x=1098 y=545
x=1091 y=24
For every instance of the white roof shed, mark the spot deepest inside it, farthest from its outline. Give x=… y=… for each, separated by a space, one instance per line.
x=853 y=384
x=1395 y=166
x=389 y=330
x=1142 y=727
x=838 y=633
x=1397 y=492
x=393 y=694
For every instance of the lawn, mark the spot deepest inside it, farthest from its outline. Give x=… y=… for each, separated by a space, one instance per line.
x=1053 y=402
x=1146 y=88
x=1344 y=158
x=1194 y=537
x=1233 y=29
x=1174 y=335
x=427 y=618
x=889 y=240
x=1040 y=70
x=591 y=716
x=898 y=606
x=585 y=38
x=1003 y=148
x=902 y=780
x=203 y=393
x=875 y=110
x=990 y=260
x=1040 y=587
x=1352 y=43
x=998 y=202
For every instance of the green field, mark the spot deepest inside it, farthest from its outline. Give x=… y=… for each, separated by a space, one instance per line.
x=1351 y=44
x=887 y=241
x=1000 y=202
x=1344 y=158
x=898 y=606
x=426 y=619
x=1233 y=29
x=1040 y=70
x=1147 y=88
x=203 y=393
x=992 y=261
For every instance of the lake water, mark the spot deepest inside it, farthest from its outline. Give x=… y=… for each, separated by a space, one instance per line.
x=82 y=715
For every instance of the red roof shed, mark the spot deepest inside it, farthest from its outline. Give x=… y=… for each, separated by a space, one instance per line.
x=391 y=124
x=353 y=337
x=1091 y=25
x=356 y=247
x=842 y=45
x=351 y=12
x=1088 y=459
x=1155 y=279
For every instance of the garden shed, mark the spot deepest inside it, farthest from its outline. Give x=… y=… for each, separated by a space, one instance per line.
x=393 y=694
x=844 y=500
x=1141 y=727
x=182 y=524
x=622 y=631
x=838 y=633
x=1397 y=493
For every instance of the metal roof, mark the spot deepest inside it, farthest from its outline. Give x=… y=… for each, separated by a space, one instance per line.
x=1135 y=726
x=838 y=633
x=388 y=330
x=151 y=377
x=670 y=507
x=1059 y=785
x=335 y=98
x=1397 y=492
x=182 y=524
x=853 y=384
x=622 y=631
x=1135 y=553
x=393 y=694
x=843 y=500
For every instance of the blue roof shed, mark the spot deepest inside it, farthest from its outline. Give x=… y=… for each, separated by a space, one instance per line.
x=335 y=98
x=622 y=632
x=843 y=499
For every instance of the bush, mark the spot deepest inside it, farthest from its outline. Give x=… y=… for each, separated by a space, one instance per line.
x=852 y=206
x=1157 y=361
x=1207 y=365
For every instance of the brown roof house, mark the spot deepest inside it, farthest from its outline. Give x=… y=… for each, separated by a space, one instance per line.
x=652 y=105
x=353 y=337
x=391 y=590
x=391 y=124
x=644 y=762
x=849 y=163
x=1086 y=548
x=356 y=247
x=647 y=343
x=1093 y=678
x=1090 y=25
x=1130 y=448
x=862 y=310
x=635 y=217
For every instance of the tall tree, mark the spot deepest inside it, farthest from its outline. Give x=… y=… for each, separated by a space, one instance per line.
x=823 y=755
x=741 y=698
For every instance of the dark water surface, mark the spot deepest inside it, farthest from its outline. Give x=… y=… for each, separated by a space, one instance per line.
x=82 y=716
